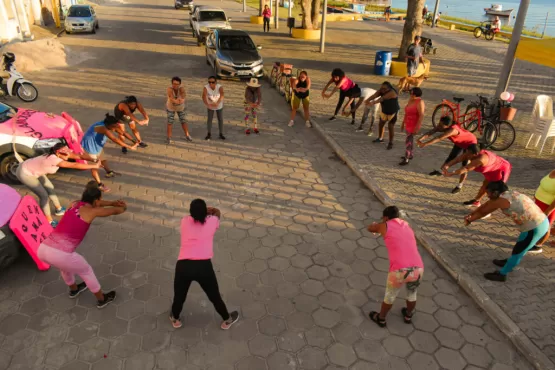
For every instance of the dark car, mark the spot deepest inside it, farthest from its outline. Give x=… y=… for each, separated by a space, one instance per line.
x=232 y=53
x=179 y=4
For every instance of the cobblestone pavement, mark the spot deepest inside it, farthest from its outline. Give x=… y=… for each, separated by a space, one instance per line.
x=292 y=254
x=463 y=66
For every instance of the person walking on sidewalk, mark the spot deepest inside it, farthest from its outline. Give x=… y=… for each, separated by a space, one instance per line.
x=213 y=98
x=462 y=141
x=95 y=139
x=345 y=85
x=195 y=262
x=532 y=223
x=301 y=95
x=266 y=15
x=414 y=116
x=414 y=56
x=492 y=166
x=405 y=264
x=59 y=248
x=124 y=112
x=176 y=104
x=388 y=98
x=33 y=174
x=253 y=99
x=545 y=199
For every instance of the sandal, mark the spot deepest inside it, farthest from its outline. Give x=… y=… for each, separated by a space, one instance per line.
x=406 y=317
x=375 y=316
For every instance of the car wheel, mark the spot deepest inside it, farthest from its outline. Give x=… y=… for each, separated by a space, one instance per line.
x=67 y=32
x=10 y=247
x=8 y=167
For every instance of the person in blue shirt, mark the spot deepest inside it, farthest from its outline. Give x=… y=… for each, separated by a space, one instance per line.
x=94 y=140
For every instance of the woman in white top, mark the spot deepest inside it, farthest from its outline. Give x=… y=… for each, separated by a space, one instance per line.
x=213 y=98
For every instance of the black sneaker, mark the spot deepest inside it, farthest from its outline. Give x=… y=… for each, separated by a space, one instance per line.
x=108 y=298
x=500 y=263
x=359 y=129
x=332 y=118
x=378 y=140
x=404 y=162
x=124 y=150
x=208 y=137
x=535 y=250
x=188 y=138
x=81 y=287
x=495 y=276
x=233 y=317
x=456 y=190
x=222 y=137
x=435 y=173
x=390 y=146
x=352 y=122
x=142 y=144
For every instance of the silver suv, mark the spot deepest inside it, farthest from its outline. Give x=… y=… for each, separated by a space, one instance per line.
x=206 y=18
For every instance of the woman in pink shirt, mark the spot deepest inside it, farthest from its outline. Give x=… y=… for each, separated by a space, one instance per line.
x=405 y=264
x=59 y=248
x=414 y=115
x=266 y=15
x=195 y=262
x=346 y=87
x=33 y=174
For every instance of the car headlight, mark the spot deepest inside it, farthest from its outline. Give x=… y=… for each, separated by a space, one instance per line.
x=204 y=29
x=47 y=143
x=226 y=63
x=257 y=63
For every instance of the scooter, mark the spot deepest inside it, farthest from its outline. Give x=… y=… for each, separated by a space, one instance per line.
x=13 y=83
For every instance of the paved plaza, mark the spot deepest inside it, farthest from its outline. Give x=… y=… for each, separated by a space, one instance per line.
x=292 y=254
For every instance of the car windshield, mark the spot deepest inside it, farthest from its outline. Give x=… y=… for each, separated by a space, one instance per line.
x=79 y=12
x=4 y=112
x=236 y=43
x=215 y=16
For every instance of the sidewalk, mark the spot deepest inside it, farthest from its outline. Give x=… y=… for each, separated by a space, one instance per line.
x=463 y=67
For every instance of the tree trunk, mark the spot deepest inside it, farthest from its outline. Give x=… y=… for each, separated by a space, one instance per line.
x=413 y=25
x=315 y=14
x=306 y=6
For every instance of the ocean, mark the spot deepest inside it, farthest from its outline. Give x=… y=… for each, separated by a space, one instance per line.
x=474 y=10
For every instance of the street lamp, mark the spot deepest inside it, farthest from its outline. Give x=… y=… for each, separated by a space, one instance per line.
x=323 y=27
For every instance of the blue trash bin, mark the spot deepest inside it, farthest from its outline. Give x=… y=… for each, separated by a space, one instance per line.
x=382 y=64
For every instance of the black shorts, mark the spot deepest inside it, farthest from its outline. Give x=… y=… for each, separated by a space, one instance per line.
x=353 y=92
x=457 y=151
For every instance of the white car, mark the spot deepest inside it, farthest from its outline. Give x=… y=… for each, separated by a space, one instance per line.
x=206 y=18
x=81 y=18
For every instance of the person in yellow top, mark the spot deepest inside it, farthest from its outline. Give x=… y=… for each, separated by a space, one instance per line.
x=545 y=199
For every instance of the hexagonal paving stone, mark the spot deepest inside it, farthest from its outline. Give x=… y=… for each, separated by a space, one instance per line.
x=140 y=361
x=93 y=350
x=312 y=358
x=32 y=359
x=270 y=277
x=271 y=325
x=82 y=332
x=331 y=300
x=397 y=346
x=280 y=306
x=322 y=259
x=425 y=322
x=341 y=355
x=424 y=342
x=295 y=275
x=291 y=341
x=450 y=359
x=419 y=360
x=244 y=330
x=17 y=342
x=76 y=365
x=256 y=266
x=158 y=305
x=108 y=363
x=313 y=287
x=474 y=335
x=346 y=333
x=370 y=350
x=299 y=321
x=281 y=361
x=156 y=341
x=278 y=263
x=326 y=318
x=319 y=337
x=33 y=306
x=42 y=320
x=301 y=261
x=131 y=309
x=202 y=354
x=51 y=336
x=113 y=328
x=449 y=338
x=447 y=301
x=476 y=355
x=251 y=363
x=318 y=272
x=471 y=315
x=124 y=267
x=306 y=303
x=172 y=358
x=254 y=310
x=262 y=345
x=61 y=354
x=447 y=318
x=146 y=292
x=501 y=352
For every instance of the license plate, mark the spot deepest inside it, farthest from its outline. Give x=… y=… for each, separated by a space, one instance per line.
x=243 y=73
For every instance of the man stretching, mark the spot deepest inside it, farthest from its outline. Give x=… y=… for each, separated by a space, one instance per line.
x=462 y=141
x=123 y=111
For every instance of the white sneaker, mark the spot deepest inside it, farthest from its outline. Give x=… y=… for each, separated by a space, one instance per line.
x=486 y=216
x=308 y=124
x=291 y=123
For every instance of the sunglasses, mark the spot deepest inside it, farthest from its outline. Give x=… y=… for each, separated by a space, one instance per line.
x=211 y=82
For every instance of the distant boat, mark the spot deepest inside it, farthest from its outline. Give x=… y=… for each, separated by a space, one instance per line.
x=497 y=9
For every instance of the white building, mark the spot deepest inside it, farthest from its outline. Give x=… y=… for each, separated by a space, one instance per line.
x=15 y=19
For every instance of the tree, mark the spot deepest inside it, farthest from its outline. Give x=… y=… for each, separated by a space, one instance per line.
x=260 y=7
x=311 y=14
x=413 y=25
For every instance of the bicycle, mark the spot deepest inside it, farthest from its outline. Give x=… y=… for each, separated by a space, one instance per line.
x=288 y=89
x=486 y=128
x=484 y=29
x=285 y=73
x=506 y=133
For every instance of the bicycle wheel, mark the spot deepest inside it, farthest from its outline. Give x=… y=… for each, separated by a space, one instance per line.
x=273 y=76
x=472 y=117
x=281 y=84
x=288 y=90
x=478 y=32
x=506 y=136
x=442 y=110
x=489 y=35
x=488 y=134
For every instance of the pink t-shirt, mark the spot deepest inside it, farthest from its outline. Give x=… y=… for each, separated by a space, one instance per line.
x=401 y=246
x=197 y=240
x=41 y=165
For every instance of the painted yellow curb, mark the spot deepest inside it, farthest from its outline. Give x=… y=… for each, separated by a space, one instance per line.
x=257 y=20
x=399 y=69
x=299 y=33
x=343 y=17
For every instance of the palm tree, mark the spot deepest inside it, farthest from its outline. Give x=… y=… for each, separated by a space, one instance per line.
x=413 y=25
x=311 y=14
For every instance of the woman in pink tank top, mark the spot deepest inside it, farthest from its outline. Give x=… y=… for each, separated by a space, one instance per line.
x=346 y=88
x=405 y=264
x=492 y=166
x=414 y=115
x=59 y=248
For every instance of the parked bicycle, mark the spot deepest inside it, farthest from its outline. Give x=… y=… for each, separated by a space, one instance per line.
x=486 y=30
x=288 y=91
x=279 y=74
x=486 y=128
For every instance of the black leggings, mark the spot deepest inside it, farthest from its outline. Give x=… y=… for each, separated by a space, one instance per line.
x=266 y=23
x=342 y=97
x=201 y=271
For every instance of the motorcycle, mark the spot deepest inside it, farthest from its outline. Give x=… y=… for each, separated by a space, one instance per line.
x=13 y=83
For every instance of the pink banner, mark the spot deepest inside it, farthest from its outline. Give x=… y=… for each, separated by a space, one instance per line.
x=31 y=228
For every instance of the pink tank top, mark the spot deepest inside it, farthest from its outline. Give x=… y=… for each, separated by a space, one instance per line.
x=411 y=116
x=70 y=232
x=401 y=246
x=464 y=139
x=495 y=163
x=347 y=85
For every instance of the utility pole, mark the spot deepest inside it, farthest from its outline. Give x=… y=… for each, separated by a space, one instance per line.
x=291 y=3
x=436 y=10
x=323 y=27
x=509 y=61
x=545 y=24
x=244 y=6
x=276 y=14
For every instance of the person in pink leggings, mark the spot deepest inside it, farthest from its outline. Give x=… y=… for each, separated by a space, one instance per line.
x=405 y=264
x=59 y=248
x=492 y=166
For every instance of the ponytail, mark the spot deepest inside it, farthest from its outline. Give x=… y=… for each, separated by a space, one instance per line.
x=110 y=120
x=92 y=193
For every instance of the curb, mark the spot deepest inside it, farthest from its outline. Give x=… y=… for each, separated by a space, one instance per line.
x=503 y=322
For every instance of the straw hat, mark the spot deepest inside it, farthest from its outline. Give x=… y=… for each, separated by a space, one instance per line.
x=253 y=83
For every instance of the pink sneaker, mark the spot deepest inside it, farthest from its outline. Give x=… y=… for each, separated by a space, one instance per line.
x=104 y=188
